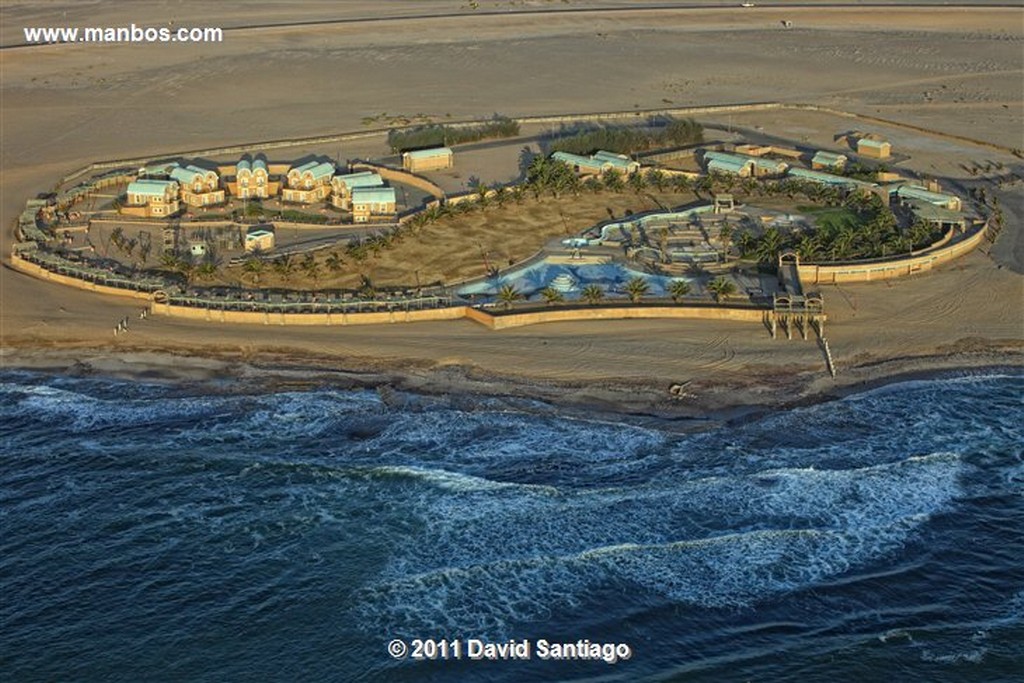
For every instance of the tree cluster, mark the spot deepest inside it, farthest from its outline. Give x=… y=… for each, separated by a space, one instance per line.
x=439 y=135
x=629 y=140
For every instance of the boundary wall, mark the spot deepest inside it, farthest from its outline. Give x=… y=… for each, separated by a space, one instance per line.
x=493 y=322
x=37 y=271
x=400 y=176
x=811 y=274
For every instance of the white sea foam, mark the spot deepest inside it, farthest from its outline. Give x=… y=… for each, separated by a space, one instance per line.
x=490 y=556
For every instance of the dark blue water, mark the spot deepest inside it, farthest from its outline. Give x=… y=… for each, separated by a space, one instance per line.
x=153 y=533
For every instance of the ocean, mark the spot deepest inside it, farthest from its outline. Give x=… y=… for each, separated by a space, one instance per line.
x=174 y=533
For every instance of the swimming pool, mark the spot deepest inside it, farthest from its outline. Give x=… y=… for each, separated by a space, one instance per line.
x=530 y=280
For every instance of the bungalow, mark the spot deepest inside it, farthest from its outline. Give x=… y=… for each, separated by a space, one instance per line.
x=434 y=159
x=916 y=194
x=199 y=186
x=828 y=160
x=729 y=167
x=308 y=183
x=342 y=187
x=938 y=216
x=252 y=180
x=152 y=198
x=259 y=239
x=620 y=162
x=373 y=203
x=828 y=179
x=580 y=164
x=599 y=162
x=754 y=166
x=874 y=147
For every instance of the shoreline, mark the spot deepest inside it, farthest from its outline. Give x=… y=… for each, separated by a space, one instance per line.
x=704 y=405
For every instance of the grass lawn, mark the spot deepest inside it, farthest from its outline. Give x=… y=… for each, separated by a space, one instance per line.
x=831 y=218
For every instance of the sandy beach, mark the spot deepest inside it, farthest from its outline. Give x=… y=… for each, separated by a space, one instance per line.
x=955 y=70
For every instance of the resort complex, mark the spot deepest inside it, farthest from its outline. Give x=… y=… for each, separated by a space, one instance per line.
x=765 y=226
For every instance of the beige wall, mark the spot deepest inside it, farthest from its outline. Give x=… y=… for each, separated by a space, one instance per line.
x=398 y=316
x=41 y=273
x=265 y=318
x=403 y=177
x=863 y=272
x=625 y=313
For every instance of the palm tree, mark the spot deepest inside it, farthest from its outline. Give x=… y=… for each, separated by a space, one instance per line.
x=253 y=266
x=725 y=236
x=206 y=270
x=681 y=183
x=809 y=248
x=170 y=262
x=769 y=246
x=367 y=290
x=703 y=185
x=481 y=190
x=745 y=243
x=677 y=289
x=637 y=288
x=551 y=295
x=312 y=269
x=508 y=295
x=656 y=178
x=637 y=182
x=574 y=184
x=187 y=270
x=284 y=267
x=592 y=294
x=500 y=194
x=721 y=288
x=612 y=180
x=334 y=262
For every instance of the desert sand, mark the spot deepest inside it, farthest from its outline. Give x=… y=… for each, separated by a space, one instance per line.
x=952 y=69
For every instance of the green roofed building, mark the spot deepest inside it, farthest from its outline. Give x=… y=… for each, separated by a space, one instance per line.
x=308 y=183
x=620 y=162
x=729 y=167
x=938 y=215
x=578 y=163
x=728 y=162
x=344 y=185
x=598 y=162
x=373 y=203
x=156 y=198
x=830 y=179
x=916 y=193
x=830 y=160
